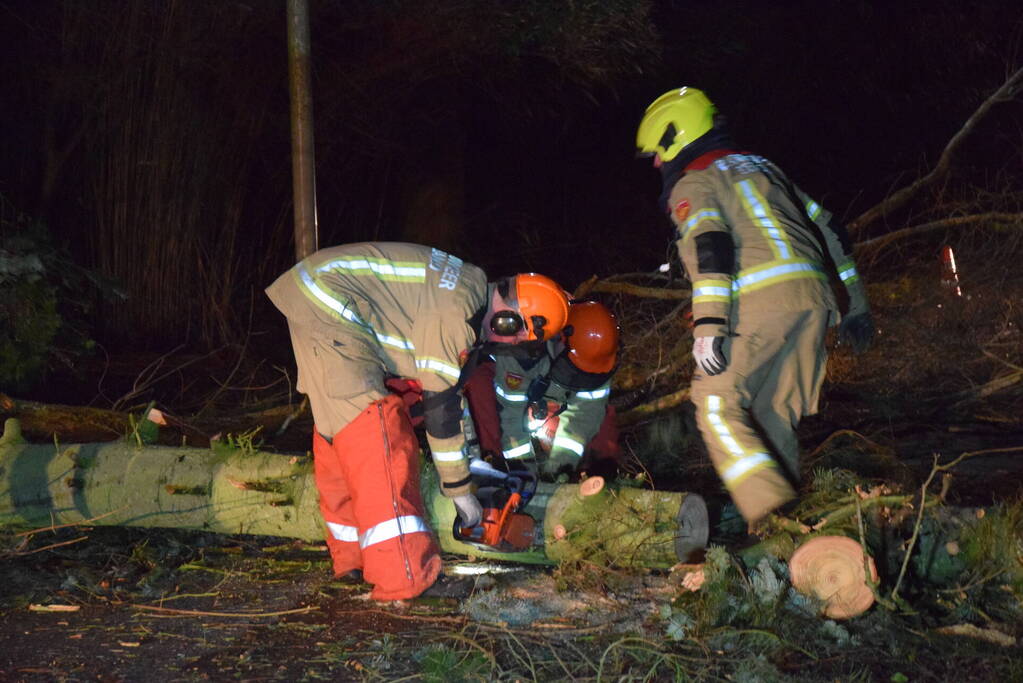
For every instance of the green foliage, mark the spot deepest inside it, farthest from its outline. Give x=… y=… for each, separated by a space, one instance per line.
x=442 y=664
x=44 y=302
x=246 y=442
x=28 y=312
x=142 y=430
x=994 y=546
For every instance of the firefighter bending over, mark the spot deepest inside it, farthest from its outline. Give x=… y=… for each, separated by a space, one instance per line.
x=362 y=316
x=760 y=254
x=552 y=406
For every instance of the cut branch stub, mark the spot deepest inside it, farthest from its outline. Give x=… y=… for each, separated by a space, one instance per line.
x=831 y=568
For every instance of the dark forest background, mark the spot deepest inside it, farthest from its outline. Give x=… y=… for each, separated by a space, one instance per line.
x=145 y=145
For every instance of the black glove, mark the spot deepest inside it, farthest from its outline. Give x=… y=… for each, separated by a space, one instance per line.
x=857 y=331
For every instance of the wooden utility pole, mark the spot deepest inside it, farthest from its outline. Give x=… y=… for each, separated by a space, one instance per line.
x=303 y=167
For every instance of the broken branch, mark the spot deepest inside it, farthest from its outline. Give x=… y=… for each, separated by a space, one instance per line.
x=1007 y=91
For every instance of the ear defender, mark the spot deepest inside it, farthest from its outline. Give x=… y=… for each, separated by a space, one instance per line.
x=538 y=321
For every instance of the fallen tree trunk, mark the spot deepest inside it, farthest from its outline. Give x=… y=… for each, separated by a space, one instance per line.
x=240 y=490
x=120 y=483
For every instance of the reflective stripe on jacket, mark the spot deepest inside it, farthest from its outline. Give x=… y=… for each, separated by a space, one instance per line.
x=780 y=262
x=578 y=422
x=413 y=301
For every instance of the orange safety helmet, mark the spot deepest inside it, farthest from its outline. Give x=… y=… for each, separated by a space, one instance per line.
x=541 y=306
x=593 y=338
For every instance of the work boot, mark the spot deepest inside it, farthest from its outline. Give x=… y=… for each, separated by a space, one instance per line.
x=450 y=587
x=351 y=577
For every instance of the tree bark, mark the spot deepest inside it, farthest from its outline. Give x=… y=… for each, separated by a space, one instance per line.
x=120 y=483
x=234 y=489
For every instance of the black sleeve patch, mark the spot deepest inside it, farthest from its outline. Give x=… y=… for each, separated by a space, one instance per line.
x=443 y=413
x=715 y=252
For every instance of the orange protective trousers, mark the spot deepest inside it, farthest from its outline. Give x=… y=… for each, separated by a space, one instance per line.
x=368 y=479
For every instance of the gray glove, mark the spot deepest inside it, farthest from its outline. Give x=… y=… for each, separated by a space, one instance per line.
x=470 y=512
x=708 y=354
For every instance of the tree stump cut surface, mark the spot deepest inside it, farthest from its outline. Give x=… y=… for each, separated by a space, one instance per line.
x=831 y=568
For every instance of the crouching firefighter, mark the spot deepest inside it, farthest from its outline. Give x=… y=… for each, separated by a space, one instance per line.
x=372 y=316
x=549 y=406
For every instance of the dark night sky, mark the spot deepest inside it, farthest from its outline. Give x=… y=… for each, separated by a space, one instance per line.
x=851 y=98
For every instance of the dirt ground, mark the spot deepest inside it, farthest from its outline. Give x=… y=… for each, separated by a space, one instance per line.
x=944 y=377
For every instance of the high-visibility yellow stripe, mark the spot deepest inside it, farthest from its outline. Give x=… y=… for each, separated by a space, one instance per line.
x=741 y=462
x=759 y=212
x=438 y=367
x=847 y=271
x=382 y=269
x=813 y=209
x=772 y=273
x=697 y=218
x=341 y=308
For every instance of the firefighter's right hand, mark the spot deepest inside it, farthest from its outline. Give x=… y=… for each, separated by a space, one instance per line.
x=708 y=354
x=470 y=512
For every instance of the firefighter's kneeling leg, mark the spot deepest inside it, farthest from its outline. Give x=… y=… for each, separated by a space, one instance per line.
x=337 y=507
x=379 y=455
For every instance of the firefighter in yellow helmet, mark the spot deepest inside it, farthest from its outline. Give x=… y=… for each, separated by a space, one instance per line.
x=552 y=408
x=760 y=254
x=375 y=316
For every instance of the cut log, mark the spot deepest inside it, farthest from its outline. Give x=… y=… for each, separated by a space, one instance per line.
x=245 y=491
x=120 y=483
x=832 y=569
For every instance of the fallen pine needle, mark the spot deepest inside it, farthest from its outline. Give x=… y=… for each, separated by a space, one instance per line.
x=970 y=631
x=240 y=615
x=54 y=608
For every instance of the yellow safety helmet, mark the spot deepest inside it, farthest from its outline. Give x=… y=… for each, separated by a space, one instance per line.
x=673 y=122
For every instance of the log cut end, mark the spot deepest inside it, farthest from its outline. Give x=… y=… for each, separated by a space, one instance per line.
x=693 y=527
x=12 y=432
x=591 y=487
x=831 y=568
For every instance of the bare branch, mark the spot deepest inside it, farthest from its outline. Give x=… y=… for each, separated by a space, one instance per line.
x=595 y=285
x=653 y=407
x=1008 y=90
x=954 y=222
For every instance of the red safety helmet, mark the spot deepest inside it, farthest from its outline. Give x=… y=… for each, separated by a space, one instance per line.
x=541 y=306
x=593 y=338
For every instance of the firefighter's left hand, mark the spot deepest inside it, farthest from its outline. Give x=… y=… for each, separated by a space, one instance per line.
x=709 y=356
x=470 y=512
x=857 y=331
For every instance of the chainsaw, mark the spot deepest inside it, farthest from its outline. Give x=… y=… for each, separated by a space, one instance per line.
x=502 y=495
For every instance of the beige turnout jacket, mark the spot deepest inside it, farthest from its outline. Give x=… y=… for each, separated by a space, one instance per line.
x=779 y=263
x=410 y=305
